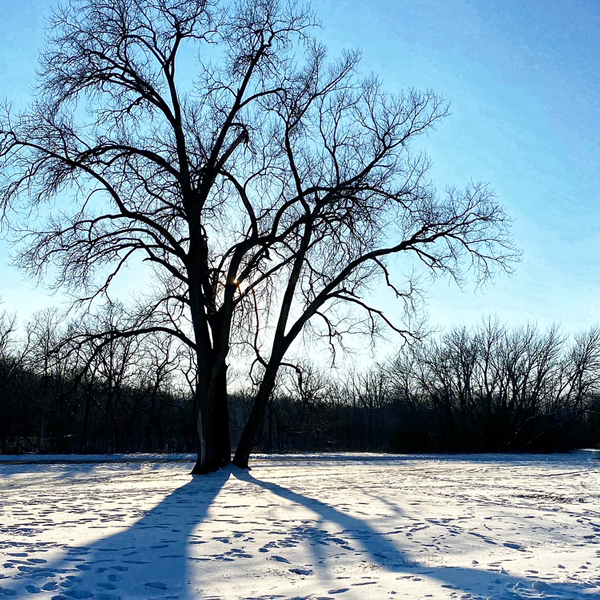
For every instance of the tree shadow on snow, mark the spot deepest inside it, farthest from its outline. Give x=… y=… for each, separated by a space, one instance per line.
x=125 y=560
x=124 y=565
x=380 y=550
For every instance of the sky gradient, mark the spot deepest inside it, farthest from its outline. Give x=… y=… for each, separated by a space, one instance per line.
x=521 y=79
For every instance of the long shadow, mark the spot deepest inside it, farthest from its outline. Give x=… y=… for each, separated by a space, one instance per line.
x=380 y=550
x=126 y=560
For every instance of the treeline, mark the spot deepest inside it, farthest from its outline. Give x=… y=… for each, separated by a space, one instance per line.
x=496 y=389
x=485 y=389
x=60 y=395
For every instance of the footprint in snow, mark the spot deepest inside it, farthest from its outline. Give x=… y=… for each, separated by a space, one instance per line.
x=73 y=553
x=279 y=559
x=157 y=585
x=514 y=546
x=136 y=562
x=301 y=571
x=77 y=594
x=50 y=586
x=32 y=589
x=107 y=585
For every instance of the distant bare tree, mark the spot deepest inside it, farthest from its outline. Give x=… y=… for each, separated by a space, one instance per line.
x=44 y=332
x=496 y=388
x=370 y=392
x=12 y=355
x=266 y=193
x=8 y=338
x=582 y=369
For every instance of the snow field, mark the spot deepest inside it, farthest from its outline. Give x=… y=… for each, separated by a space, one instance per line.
x=310 y=526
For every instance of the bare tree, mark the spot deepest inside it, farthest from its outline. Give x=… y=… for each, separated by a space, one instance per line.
x=44 y=331
x=582 y=370
x=495 y=388
x=12 y=356
x=115 y=361
x=266 y=192
x=8 y=328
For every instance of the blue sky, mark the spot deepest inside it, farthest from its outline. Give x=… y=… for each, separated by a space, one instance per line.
x=522 y=81
x=521 y=78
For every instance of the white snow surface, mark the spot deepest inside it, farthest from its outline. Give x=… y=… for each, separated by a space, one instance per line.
x=304 y=526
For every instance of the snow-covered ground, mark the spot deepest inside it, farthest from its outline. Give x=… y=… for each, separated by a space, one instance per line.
x=309 y=526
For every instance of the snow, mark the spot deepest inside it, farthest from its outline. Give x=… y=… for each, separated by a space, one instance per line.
x=302 y=526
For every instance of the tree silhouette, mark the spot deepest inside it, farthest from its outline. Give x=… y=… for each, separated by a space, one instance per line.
x=266 y=190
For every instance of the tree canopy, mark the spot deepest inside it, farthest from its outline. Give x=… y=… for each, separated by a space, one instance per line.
x=265 y=184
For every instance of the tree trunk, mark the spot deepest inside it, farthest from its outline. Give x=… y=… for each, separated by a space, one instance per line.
x=86 y=421
x=221 y=422
x=242 y=453
x=214 y=451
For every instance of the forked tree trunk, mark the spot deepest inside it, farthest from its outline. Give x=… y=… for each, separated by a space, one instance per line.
x=214 y=450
